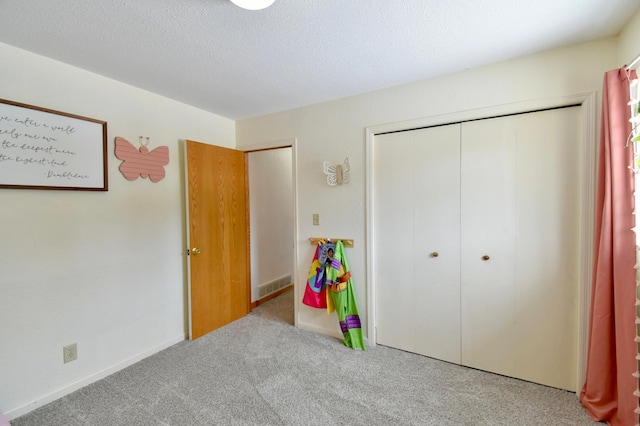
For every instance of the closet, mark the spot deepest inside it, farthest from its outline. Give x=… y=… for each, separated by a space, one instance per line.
x=477 y=243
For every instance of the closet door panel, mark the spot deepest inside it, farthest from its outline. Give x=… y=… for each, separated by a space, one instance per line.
x=416 y=215
x=393 y=243
x=547 y=252
x=488 y=244
x=436 y=259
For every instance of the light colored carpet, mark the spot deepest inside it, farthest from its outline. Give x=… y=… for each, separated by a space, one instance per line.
x=260 y=370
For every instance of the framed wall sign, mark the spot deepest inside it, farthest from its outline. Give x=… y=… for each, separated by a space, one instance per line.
x=46 y=149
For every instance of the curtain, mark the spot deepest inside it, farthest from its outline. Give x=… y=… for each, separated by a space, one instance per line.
x=608 y=392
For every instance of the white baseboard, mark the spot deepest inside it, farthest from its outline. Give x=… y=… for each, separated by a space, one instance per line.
x=320 y=330
x=327 y=332
x=45 y=399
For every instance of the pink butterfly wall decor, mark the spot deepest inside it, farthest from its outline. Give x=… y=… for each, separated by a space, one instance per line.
x=141 y=163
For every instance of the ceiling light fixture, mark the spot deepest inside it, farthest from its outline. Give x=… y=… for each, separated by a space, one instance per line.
x=253 y=4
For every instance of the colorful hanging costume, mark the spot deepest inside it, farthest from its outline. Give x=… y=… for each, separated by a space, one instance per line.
x=330 y=273
x=315 y=294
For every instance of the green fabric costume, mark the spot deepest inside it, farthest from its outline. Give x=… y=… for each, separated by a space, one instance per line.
x=340 y=289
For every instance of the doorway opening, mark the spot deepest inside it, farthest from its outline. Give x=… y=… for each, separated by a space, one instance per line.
x=271 y=222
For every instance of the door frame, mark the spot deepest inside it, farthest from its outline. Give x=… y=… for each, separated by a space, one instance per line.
x=587 y=102
x=275 y=144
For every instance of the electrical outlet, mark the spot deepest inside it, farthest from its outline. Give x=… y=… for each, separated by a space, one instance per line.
x=70 y=353
x=316 y=219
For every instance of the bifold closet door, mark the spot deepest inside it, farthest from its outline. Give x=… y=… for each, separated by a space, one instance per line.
x=477 y=243
x=488 y=172
x=417 y=241
x=548 y=246
x=521 y=208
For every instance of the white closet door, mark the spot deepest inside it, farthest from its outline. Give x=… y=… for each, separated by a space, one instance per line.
x=521 y=205
x=498 y=200
x=393 y=244
x=417 y=241
x=436 y=253
x=547 y=250
x=488 y=244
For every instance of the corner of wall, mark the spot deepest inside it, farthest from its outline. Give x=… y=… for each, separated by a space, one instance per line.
x=629 y=40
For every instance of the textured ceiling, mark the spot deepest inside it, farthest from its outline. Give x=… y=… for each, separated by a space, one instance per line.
x=238 y=63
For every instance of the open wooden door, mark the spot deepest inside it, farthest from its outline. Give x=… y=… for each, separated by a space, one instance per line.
x=219 y=279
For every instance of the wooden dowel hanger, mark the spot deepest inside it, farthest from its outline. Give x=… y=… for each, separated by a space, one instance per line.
x=346 y=242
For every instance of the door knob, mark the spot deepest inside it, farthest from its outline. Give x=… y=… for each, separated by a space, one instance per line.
x=485 y=257
x=195 y=250
x=434 y=254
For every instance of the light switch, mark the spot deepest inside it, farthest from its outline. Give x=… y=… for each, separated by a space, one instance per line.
x=316 y=219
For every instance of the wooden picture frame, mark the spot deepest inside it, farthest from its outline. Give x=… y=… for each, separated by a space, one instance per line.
x=46 y=149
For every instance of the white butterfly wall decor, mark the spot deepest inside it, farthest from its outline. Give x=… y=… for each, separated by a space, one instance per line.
x=337 y=174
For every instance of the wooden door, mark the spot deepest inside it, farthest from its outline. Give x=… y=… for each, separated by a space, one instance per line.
x=417 y=241
x=219 y=284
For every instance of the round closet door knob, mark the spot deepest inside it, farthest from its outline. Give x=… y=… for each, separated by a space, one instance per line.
x=434 y=254
x=485 y=257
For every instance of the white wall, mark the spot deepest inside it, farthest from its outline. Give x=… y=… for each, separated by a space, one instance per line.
x=271 y=214
x=333 y=130
x=103 y=269
x=629 y=43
